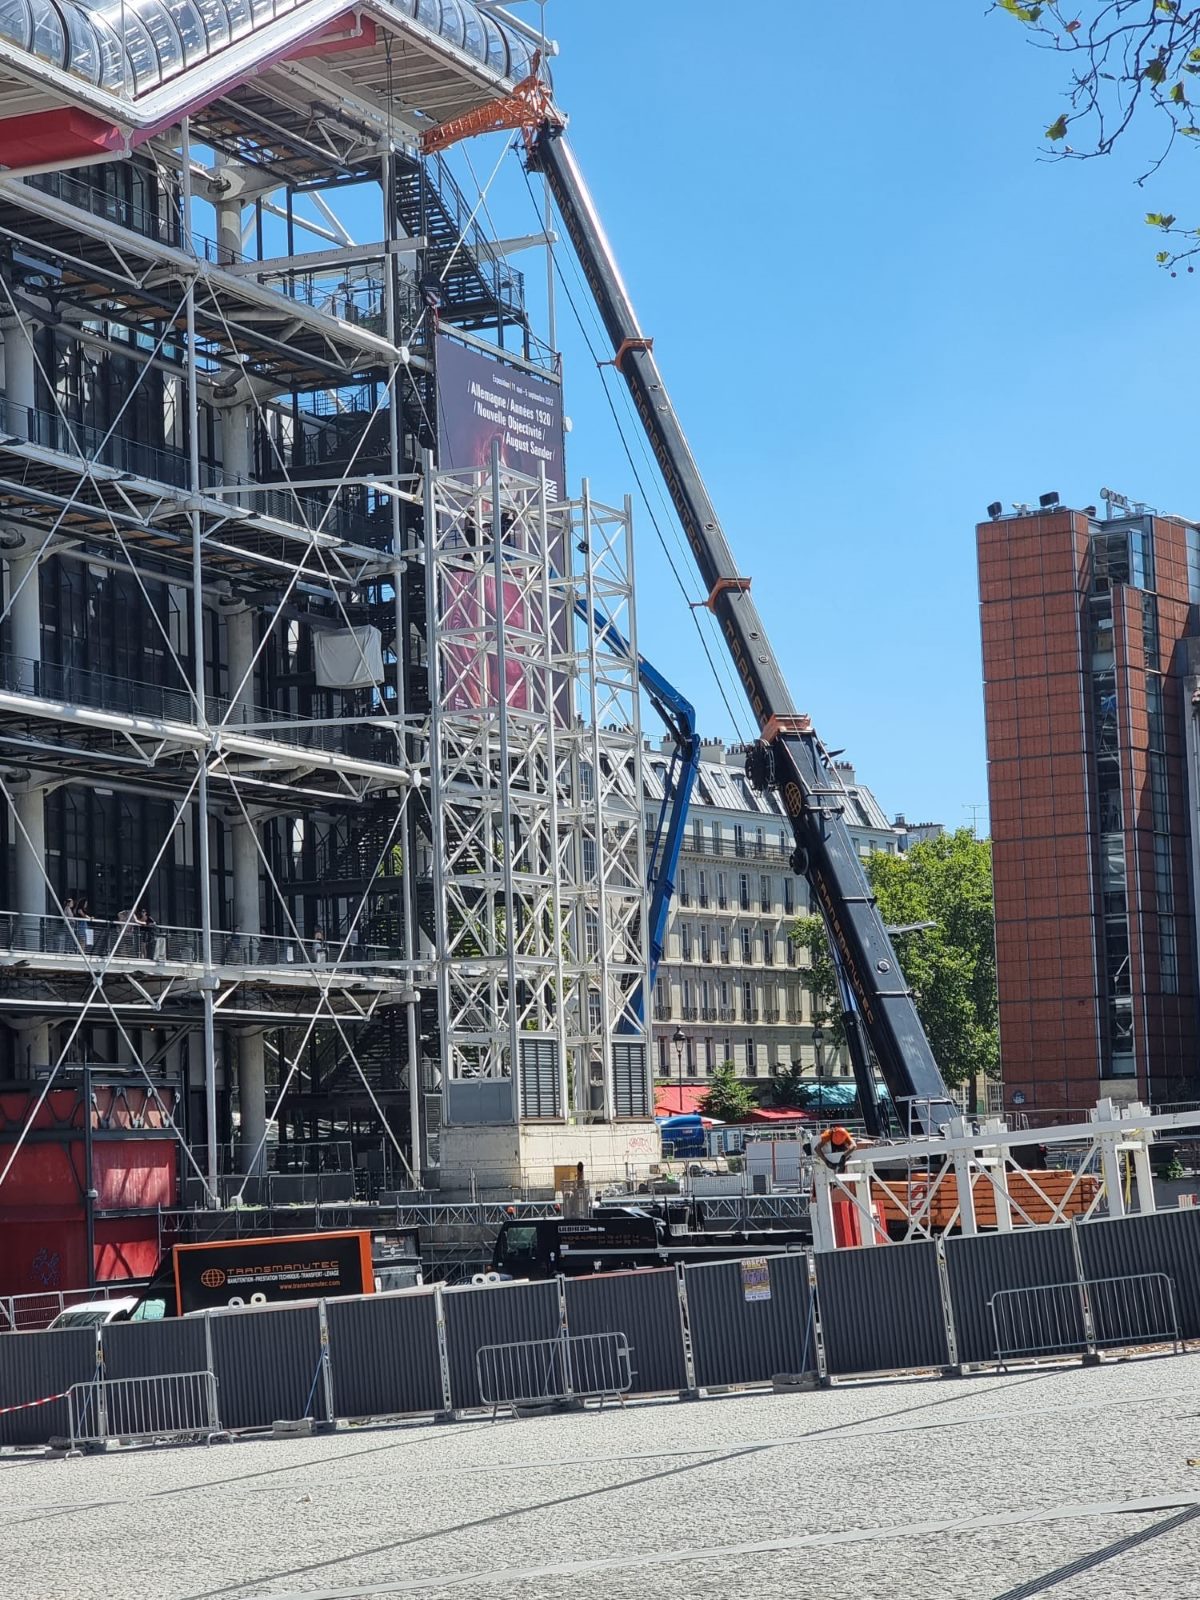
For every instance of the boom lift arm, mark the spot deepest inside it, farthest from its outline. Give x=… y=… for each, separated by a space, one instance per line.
x=680 y=719
x=788 y=755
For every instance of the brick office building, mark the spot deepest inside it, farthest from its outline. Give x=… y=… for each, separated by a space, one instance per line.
x=1083 y=621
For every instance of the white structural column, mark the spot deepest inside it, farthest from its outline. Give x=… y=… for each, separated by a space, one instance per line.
x=24 y=594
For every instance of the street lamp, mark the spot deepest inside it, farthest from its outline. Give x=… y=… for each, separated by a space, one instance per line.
x=679 y=1039
x=818 y=1037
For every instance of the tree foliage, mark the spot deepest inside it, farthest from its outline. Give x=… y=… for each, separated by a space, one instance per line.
x=1127 y=59
x=950 y=966
x=818 y=976
x=728 y=1098
x=789 y=1087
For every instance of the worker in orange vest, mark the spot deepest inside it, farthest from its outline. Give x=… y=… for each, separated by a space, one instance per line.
x=835 y=1147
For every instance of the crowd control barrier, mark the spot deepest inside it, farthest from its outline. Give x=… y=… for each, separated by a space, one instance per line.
x=438 y=1351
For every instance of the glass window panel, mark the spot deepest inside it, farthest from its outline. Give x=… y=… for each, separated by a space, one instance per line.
x=1168 y=956
x=474 y=38
x=48 y=39
x=497 y=50
x=162 y=30
x=1154 y=711
x=1150 y=631
x=16 y=22
x=190 y=24
x=1112 y=861
x=1110 y=559
x=241 y=18
x=84 y=56
x=452 y=22
x=215 y=17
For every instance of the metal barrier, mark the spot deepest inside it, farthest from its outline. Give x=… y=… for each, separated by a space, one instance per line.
x=177 y=1405
x=581 y=1366
x=1139 y=1309
x=30 y=1313
x=1045 y=1320
x=1079 y=1317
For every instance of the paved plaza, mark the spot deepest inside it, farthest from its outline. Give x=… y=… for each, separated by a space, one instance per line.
x=1065 y=1482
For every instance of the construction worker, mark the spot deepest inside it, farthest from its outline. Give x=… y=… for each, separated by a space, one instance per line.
x=577 y=1196
x=835 y=1147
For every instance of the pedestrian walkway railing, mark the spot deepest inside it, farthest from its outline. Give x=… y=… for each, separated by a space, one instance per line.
x=1054 y=1319
x=125 y=940
x=581 y=1366
x=171 y=1406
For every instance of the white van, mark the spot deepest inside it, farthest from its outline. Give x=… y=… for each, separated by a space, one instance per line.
x=96 y=1313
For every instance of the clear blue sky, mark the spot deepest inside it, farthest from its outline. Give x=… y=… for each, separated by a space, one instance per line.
x=877 y=310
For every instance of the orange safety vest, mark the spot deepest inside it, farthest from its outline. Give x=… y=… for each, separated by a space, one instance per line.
x=836 y=1146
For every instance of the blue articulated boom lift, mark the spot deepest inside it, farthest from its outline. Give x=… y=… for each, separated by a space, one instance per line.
x=663 y=856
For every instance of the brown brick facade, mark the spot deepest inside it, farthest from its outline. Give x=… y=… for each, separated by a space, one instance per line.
x=1096 y=975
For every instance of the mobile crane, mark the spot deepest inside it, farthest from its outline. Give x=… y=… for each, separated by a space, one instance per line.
x=880 y=1011
x=881 y=1014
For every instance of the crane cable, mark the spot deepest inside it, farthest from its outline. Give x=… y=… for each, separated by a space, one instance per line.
x=633 y=467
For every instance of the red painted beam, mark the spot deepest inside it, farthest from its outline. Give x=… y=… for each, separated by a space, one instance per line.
x=64 y=134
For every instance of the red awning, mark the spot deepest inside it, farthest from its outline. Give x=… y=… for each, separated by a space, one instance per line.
x=679 y=1099
x=777 y=1114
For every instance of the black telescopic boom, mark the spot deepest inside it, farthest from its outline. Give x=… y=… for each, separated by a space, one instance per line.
x=789 y=756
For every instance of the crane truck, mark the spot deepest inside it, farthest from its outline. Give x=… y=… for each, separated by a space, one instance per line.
x=883 y=1029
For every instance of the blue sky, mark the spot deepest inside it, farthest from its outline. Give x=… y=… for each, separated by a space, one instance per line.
x=877 y=310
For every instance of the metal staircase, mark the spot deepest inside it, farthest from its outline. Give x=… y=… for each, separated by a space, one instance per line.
x=474 y=284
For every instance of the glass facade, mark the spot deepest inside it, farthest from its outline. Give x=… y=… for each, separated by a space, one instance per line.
x=1123 y=559
x=134 y=45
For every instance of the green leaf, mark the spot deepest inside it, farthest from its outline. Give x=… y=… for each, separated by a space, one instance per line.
x=1058 y=129
x=1155 y=70
x=1166 y=5
x=1021 y=12
x=1160 y=219
x=1178 y=95
x=1194 y=55
x=1162 y=257
x=1192 y=133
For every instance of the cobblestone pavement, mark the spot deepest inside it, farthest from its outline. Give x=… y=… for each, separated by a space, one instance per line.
x=1065 y=1482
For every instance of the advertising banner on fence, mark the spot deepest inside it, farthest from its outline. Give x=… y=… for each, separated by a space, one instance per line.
x=756 y=1278
x=480 y=400
x=245 y=1272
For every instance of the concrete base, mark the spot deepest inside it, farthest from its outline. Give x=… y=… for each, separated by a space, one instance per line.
x=525 y=1156
x=296 y=1428
x=792 y=1382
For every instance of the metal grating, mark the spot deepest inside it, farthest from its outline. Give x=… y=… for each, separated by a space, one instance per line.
x=631 y=1086
x=540 y=1079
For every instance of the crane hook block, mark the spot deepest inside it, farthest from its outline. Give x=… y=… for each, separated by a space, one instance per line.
x=760 y=766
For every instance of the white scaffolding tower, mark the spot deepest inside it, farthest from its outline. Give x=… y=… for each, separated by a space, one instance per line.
x=539 y=871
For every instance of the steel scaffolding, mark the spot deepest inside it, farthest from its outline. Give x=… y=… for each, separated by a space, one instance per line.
x=539 y=870
x=259 y=861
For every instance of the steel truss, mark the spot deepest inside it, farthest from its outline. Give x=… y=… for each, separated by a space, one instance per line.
x=538 y=870
x=222 y=347
x=971 y=1177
